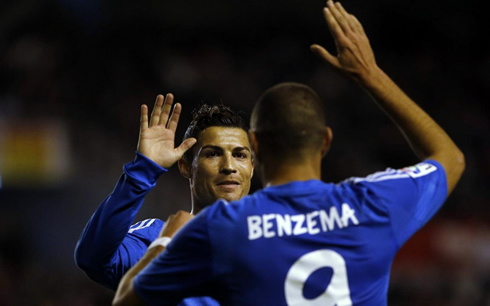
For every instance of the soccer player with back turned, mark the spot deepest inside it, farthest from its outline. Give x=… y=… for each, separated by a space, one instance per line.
x=271 y=248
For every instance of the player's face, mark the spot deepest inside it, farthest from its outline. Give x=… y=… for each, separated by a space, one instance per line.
x=222 y=166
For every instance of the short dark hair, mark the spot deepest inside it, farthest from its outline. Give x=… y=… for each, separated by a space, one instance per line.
x=212 y=115
x=289 y=118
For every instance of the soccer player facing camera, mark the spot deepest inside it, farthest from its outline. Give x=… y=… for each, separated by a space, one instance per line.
x=215 y=157
x=301 y=241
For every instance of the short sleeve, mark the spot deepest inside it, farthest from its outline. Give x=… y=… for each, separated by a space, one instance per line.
x=411 y=195
x=183 y=269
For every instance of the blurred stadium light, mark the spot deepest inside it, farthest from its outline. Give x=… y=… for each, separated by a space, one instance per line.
x=34 y=153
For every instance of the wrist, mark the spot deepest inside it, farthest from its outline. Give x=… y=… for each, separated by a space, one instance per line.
x=161 y=241
x=373 y=78
x=149 y=161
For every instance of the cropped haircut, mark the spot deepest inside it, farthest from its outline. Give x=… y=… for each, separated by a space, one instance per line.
x=288 y=119
x=209 y=116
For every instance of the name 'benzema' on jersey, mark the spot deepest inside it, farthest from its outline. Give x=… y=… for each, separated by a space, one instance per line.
x=271 y=225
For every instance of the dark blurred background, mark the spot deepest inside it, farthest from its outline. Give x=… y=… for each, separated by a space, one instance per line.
x=74 y=73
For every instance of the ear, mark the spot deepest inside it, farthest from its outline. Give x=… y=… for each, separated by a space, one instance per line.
x=327 y=141
x=253 y=167
x=254 y=144
x=184 y=168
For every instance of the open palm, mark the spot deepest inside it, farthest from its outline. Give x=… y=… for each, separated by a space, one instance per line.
x=157 y=135
x=355 y=56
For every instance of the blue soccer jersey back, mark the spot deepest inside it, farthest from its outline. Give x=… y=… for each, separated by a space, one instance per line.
x=302 y=243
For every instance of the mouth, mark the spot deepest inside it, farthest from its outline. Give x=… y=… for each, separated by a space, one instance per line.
x=228 y=186
x=228 y=183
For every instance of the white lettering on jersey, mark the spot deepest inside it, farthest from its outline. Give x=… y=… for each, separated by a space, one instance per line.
x=298 y=227
x=283 y=225
x=254 y=229
x=348 y=214
x=328 y=220
x=313 y=223
x=268 y=225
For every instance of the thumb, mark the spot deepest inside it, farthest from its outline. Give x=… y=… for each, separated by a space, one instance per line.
x=186 y=145
x=325 y=55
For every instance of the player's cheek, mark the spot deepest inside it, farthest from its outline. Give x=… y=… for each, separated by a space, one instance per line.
x=246 y=167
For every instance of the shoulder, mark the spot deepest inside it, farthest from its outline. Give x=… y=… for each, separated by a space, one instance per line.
x=407 y=185
x=387 y=174
x=231 y=210
x=411 y=172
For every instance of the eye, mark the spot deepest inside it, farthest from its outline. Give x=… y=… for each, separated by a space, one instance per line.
x=241 y=155
x=212 y=153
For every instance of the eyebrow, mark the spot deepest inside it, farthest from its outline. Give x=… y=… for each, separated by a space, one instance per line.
x=221 y=149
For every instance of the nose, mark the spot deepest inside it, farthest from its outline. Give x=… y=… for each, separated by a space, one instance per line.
x=228 y=164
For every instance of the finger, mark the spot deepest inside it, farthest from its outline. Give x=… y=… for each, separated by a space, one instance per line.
x=186 y=145
x=181 y=214
x=174 y=119
x=347 y=16
x=167 y=107
x=333 y=25
x=358 y=25
x=155 y=113
x=340 y=19
x=144 y=117
x=325 y=55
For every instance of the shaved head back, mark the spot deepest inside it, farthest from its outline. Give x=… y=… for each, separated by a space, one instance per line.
x=288 y=119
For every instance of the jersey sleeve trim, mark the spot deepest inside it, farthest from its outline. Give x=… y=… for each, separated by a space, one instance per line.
x=421 y=169
x=141 y=224
x=144 y=170
x=388 y=174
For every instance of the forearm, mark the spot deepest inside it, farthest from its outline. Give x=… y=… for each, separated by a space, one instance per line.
x=356 y=59
x=108 y=226
x=426 y=138
x=125 y=294
x=103 y=235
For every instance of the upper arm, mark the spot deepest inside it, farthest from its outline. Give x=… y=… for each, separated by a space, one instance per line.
x=453 y=165
x=183 y=270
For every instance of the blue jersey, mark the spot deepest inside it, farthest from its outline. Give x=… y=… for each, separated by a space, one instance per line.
x=302 y=243
x=109 y=245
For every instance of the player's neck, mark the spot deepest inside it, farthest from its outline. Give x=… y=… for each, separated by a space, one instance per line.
x=283 y=173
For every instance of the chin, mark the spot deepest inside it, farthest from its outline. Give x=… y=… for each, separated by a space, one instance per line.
x=230 y=197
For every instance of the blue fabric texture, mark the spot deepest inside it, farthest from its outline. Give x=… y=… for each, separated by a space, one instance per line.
x=298 y=243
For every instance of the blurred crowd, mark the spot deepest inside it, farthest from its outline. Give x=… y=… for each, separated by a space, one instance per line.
x=85 y=67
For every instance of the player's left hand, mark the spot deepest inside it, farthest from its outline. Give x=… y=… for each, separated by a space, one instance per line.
x=355 y=56
x=174 y=223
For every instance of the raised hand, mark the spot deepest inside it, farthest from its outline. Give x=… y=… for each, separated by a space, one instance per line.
x=355 y=56
x=157 y=137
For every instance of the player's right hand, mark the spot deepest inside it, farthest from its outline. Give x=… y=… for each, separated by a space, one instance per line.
x=355 y=56
x=157 y=136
